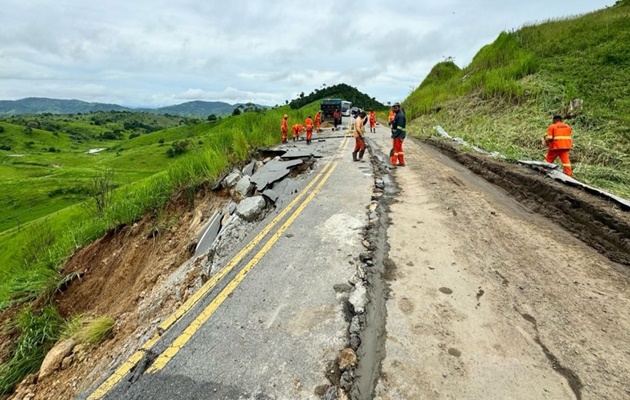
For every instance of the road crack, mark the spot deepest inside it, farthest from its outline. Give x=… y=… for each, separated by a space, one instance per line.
x=575 y=383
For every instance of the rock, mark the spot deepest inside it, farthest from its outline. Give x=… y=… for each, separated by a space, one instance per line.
x=250 y=208
x=248 y=170
x=67 y=362
x=346 y=380
x=244 y=187
x=359 y=298
x=266 y=160
x=331 y=394
x=342 y=395
x=379 y=184
x=259 y=165
x=355 y=341
x=355 y=325
x=342 y=288
x=347 y=359
x=373 y=206
x=52 y=361
x=231 y=180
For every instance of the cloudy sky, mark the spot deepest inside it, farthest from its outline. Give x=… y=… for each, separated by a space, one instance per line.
x=161 y=52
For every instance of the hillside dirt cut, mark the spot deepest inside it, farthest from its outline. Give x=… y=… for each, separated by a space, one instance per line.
x=128 y=275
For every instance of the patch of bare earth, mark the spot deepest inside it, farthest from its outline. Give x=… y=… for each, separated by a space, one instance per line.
x=125 y=275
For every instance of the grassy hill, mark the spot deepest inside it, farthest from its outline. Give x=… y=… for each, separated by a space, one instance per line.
x=503 y=101
x=341 y=91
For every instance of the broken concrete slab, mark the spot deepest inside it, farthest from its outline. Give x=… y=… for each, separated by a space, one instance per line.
x=271 y=195
x=209 y=234
x=251 y=208
x=293 y=154
x=244 y=187
x=272 y=172
x=539 y=164
x=248 y=170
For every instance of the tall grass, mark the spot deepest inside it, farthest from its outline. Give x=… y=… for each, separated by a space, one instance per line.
x=503 y=101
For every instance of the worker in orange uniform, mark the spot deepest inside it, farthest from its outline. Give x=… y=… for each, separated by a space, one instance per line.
x=399 y=133
x=285 y=128
x=318 y=121
x=296 y=129
x=559 y=141
x=309 y=129
x=372 y=121
x=359 y=138
x=337 y=118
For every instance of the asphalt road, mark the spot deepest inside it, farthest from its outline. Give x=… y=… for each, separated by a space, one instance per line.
x=273 y=333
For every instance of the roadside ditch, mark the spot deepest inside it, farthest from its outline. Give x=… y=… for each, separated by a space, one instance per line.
x=355 y=372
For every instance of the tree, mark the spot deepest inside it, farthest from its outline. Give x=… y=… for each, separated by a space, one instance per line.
x=212 y=118
x=28 y=130
x=101 y=189
x=237 y=111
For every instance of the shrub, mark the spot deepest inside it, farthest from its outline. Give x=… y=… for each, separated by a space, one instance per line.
x=178 y=148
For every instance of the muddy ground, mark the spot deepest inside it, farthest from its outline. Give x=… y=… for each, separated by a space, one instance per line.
x=600 y=223
x=489 y=299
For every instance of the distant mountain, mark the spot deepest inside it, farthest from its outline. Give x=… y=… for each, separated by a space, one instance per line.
x=40 y=105
x=341 y=91
x=195 y=109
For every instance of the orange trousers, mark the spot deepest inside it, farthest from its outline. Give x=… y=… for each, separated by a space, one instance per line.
x=398 y=157
x=309 y=134
x=318 y=126
x=285 y=134
x=359 y=144
x=564 y=157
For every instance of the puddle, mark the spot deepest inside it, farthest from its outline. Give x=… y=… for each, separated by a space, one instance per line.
x=454 y=352
x=446 y=290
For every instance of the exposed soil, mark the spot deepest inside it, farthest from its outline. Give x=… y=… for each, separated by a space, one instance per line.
x=119 y=274
x=490 y=300
x=598 y=222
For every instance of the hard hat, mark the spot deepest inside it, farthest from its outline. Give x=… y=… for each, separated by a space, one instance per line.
x=396 y=104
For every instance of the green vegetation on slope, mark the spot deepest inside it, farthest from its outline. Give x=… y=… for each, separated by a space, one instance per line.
x=503 y=101
x=341 y=91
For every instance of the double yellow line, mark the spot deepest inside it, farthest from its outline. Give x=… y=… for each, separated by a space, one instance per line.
x=187 y=334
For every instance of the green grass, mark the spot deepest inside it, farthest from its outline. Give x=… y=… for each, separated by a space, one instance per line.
x=38 y=333
x=88 y=330
x=503 y=101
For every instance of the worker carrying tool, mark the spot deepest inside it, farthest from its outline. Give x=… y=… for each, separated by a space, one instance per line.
x=559 y=141
x=359 y=137
x=296 y=129
x=309 y=129
x=399 y=133
x=285 y=128
x=318 y=122
x=372 y=121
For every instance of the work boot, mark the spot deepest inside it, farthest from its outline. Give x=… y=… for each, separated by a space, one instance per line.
x=354 y=156
x=361 y=155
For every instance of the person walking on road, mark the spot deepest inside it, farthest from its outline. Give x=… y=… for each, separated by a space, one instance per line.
x=296 y=129
x=309 y=129
x=372 y=121
x=285 y=128
x=559 y=141
x=399 y=133
x=337 y=118
x=359 y=137
x=318 y=122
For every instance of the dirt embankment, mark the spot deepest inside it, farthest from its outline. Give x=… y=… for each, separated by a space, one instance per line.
x=119 y=276
x=598 y=222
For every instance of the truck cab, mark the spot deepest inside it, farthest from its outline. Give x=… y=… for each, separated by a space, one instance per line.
x=329 y=106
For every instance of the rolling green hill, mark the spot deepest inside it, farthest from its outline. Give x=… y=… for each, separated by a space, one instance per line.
x=341 y=91
x=40 y=105
x=503 y=101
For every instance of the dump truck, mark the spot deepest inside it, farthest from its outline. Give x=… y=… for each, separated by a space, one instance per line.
x=329 y=106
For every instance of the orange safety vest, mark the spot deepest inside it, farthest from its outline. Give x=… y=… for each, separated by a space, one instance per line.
x=559 y=136
x=372 y=116
x=318 y=117
x=309 y=124
x=391 y=116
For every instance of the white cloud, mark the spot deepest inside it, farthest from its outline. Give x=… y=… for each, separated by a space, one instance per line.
x=161 y=51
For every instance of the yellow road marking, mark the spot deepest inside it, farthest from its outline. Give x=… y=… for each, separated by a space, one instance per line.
x=188 y=333
x=131 y=362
